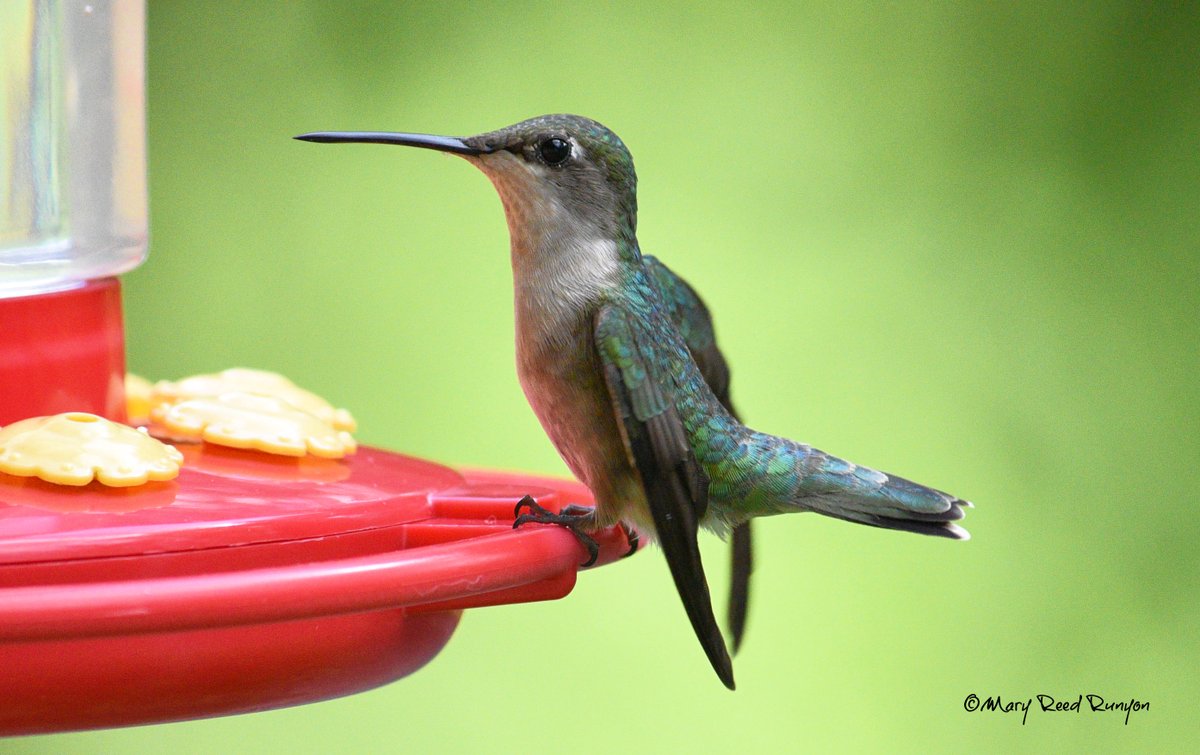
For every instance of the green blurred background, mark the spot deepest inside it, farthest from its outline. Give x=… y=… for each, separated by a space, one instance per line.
x=954 y=241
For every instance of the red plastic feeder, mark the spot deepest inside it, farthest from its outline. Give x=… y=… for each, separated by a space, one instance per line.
x=249 y=583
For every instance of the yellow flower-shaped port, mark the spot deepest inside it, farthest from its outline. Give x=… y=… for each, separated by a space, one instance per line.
x=137 y=397
x=248 y=420
x=242 y=380
x=75 y=448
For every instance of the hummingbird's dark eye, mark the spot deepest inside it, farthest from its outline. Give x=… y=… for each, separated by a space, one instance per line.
x=554 y=151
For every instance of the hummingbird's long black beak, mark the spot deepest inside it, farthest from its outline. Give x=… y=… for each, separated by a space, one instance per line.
x=428 y=141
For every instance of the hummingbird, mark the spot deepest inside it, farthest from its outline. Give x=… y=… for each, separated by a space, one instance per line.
x=617 y=356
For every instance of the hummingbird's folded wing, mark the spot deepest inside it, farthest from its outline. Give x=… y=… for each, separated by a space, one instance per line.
x=691 y=317
x=674 y=482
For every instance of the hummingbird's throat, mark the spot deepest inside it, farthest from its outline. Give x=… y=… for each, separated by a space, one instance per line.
x=561 y=262
x=536 y=217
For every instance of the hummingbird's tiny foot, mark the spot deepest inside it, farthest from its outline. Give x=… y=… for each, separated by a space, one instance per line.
x=575 y=518
x=527 y=501
x=632 y=537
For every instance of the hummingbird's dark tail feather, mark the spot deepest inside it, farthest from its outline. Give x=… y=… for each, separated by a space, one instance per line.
x=921 y=526
x=840 y=489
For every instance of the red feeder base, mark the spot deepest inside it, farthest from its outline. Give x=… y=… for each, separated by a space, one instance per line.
x=253 y=583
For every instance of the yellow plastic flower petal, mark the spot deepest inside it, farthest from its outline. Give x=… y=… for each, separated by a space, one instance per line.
x=247 y=420
x=75 y=448
x=242 y=380
x=137 y=396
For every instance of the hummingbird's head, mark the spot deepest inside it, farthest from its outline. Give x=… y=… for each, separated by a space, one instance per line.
x=556 y=174
x=561 y=165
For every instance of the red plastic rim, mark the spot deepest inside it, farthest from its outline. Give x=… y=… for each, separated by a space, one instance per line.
x=456 y=548
x=127 y=635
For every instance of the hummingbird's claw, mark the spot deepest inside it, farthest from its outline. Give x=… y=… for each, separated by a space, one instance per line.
x=574 y=517
x=632 y=537
x=527 y=501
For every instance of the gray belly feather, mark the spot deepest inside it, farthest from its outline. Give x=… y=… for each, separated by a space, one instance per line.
x=562 y=379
